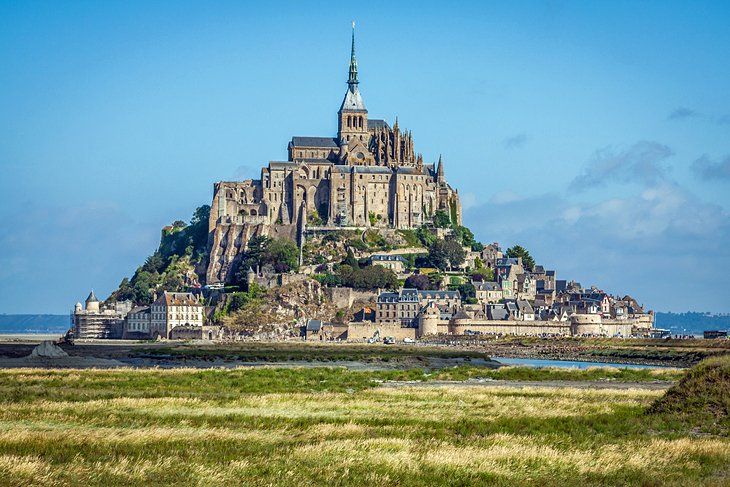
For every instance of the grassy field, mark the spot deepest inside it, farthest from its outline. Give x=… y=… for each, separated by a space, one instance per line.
x=269 y=426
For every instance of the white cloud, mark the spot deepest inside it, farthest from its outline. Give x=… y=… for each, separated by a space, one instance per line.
x=643 y=162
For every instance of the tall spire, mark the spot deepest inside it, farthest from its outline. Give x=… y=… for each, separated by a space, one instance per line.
x=352 y=80
x=440 y=170
x=353 y=100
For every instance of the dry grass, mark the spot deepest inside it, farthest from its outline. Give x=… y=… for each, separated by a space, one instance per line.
x=448 y=435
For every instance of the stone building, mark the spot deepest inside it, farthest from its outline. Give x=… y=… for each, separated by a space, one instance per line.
x=97 y=321
x=368 y=175
x=404 y=306
x=488 y=292
x=172 y=310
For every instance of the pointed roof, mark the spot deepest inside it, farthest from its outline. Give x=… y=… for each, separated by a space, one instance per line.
x=353 y=100
x=440 y=170
x=352 y=80
x=92 y=297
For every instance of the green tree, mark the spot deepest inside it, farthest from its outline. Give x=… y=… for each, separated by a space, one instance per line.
x=282 y=254
x=455 y=253
x=418 y=281
x=518 y=251
x=441 y=219
x=351 y=260
x=437 y=255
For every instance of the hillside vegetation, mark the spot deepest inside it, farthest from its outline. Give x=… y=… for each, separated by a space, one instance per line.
x=178 y=263
x=701 y=398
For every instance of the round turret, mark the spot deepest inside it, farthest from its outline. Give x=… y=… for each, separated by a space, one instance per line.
x=428 y=320
x=92 y=304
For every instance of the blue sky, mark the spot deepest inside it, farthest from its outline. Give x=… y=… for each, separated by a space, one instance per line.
x=596 y=134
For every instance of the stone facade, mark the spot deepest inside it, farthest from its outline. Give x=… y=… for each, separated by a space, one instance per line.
x=369 y=175
x=172 y=310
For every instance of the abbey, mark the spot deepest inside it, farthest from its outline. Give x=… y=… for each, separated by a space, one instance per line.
x=368 y=175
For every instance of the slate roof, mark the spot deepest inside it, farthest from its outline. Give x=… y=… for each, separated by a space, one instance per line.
x=374 y=123
x=314 y=325
x=436 y=294
x=504 y=261
x=409 y=294
x=524 y=306
x=92 y=297
x=497 y=312
x=388 y=297
x=326 y=142
x=488 y=286
x=281 y=165
x=372 y=169
x=381 y=258
x=353 y=100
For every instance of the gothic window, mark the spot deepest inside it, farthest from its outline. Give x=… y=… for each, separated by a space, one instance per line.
x=349 y=121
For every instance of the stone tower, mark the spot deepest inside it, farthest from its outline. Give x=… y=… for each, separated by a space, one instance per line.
x=92 y=304
x=353 y=116
x=428 y=320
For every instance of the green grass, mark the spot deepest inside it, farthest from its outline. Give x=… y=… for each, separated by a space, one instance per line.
x=702 y=397
x=315 y=426
x=558 y=373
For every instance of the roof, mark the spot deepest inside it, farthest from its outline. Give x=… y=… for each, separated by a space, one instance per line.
x=524 y=306
x=461 y=315
x=92 y=297
x=388 y=297
x=281 y=165
x=327 y=142
x=436 y=294
x=178 y=299
x=383 y=257
x=497 y=312
x=353 y=100
x=488 y=286
x=409 y=294
x=362 y=169
x=408 y=170
x=140 y=309
x=314 y=325
x=539 y=270
x=377 y=124
x=372 y=169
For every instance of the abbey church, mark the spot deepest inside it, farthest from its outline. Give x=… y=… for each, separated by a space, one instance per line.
x=368 y=175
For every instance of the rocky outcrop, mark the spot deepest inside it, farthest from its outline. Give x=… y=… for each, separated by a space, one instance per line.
x=48 y=349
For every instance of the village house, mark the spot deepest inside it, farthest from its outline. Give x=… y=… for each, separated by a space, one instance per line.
x=488 y=292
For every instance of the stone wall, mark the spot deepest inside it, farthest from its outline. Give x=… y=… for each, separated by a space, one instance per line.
x=361 y=331
x=345 y=297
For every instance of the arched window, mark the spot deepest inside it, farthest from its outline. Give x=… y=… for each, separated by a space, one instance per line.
x=360 y=122
x=349 y=121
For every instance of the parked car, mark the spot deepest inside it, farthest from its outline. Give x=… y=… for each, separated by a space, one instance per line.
x=389 y=340
x=408 y=340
